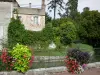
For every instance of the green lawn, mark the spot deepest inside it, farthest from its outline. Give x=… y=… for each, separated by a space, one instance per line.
x=82 y=47
x=62 y=52
x=49 y=53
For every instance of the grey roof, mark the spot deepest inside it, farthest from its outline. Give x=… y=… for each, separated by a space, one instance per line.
x=31 y=11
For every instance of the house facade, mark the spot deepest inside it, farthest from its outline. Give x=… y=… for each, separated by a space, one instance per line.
x=32 y=18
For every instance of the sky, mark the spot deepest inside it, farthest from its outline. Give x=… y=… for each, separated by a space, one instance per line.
x=93 y=4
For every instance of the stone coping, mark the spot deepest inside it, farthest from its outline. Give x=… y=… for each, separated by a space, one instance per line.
x=48 y=71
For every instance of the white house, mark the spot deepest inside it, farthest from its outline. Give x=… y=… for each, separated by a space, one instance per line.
x=32 y=18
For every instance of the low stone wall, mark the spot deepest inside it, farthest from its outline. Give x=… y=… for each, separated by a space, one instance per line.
x=41 y=71
x=49 y=58
x=48 y=71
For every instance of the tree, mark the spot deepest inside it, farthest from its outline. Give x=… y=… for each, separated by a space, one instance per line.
x=71 y=8
x=53 y=4
x=15 y=31
x=66 y=32
x=89 y=27
x=86 y=9
x=47 y=18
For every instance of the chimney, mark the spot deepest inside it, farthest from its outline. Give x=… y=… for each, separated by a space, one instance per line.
x=30 y=5
x=43 y=4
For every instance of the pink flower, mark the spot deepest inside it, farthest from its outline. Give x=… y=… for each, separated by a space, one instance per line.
x=66 y=56
x=84 y=66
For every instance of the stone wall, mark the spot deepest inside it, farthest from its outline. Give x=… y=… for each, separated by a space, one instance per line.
x=49 y=58
x=48 y=71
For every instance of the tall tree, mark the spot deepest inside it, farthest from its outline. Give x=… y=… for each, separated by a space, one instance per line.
x=71 y=8
x=53 y=4
x=47 y=18
x=89 y=28
x=86 y=9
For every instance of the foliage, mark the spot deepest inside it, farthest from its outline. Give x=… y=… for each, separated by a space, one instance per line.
x=89 y=27
x=15 y=31
x=53 y=4
x=65 y=32
x=47 y=18
x=76 y=61
x=97 y=54
x=30 y=38
x=82 y=47
x=71 y=9
x=81 y=57
x=68 y=32
x=6 y=61
x=22 y=55
x=86 y=9
x=72 y=65
x=41 y=38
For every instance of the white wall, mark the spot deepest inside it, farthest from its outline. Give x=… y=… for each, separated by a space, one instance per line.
x=5 y=15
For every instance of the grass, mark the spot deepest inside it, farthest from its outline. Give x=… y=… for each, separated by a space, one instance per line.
x=83 y=47
x=62 y=52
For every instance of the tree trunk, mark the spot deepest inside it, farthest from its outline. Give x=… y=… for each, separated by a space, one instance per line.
x=54 y=13
x=55 y=10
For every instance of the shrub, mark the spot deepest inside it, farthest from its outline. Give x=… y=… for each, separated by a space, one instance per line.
x=6 y=61
x=75 y=60
x=15 y=31
x=30 y=38
x=65 y=31
x=22 y=54
x=72 y=65
x=81 y=57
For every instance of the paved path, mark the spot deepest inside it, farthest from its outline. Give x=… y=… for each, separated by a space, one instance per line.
x=87 y=72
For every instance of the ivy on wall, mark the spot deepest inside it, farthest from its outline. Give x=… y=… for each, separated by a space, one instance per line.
x=18 y=34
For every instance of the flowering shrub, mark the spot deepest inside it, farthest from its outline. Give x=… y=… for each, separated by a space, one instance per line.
x=6 y=60
x=81 y=57
x=23 y=57
x=72 y=65
x=76 y=61
x=31 y=61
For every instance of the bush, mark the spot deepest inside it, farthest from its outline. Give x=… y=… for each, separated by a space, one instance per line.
x=76 y=60
x=72 y=65
x=23 y=57
x=65 y=31
x=16 y=32
x=97 y=54
x=6 y=61
x=81 y=57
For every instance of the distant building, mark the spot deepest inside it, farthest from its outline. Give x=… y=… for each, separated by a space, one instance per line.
x=32 y=18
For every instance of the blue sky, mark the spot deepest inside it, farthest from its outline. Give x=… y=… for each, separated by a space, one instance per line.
x=93 y=4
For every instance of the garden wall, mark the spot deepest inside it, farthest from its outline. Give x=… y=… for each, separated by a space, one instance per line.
x=48 y=71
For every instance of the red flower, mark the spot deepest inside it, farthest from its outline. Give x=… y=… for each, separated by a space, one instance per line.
x=72 y=65
x=67 y=57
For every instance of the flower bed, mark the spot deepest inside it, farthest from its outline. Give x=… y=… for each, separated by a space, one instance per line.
x=76 y=61
x=19 y=59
